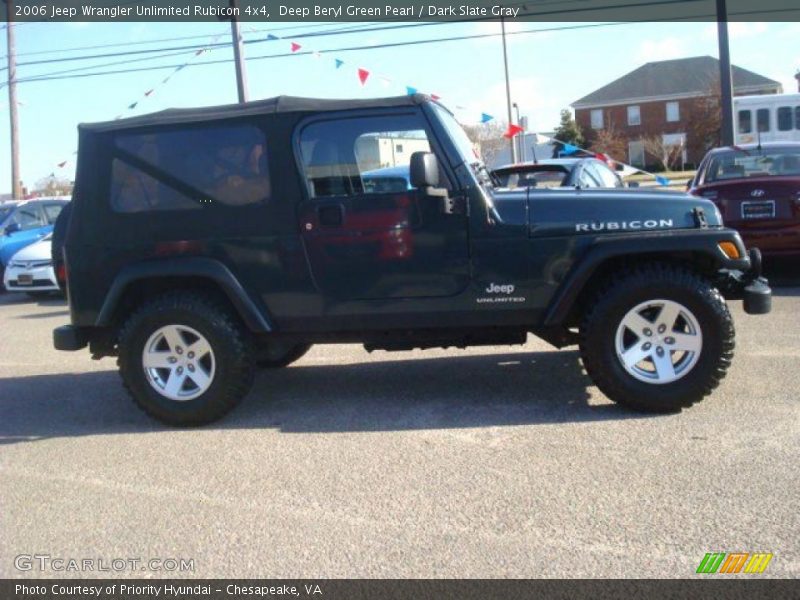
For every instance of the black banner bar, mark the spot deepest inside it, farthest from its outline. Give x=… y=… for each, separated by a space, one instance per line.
x=394 y=10
x=413 y=589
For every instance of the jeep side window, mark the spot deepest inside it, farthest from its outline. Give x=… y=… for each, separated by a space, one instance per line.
x=222 y=165
x=348 y=157
x=52 y=211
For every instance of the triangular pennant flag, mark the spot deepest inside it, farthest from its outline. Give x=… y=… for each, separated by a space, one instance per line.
x=199 y=52
x=61 y=164
x=295 y=46
x=411 y=90
x=541 y=139
x=148 y=92
x=486 y=118
x=512 y=131
x=600 y=156
x=662 y=180
x=272 y=37
x=180 y=68
x=166 y=79
x=339 y=63
x=132 y=106
x=363 y=75
x=569 y=149
x=386 y=81
x=435 y=97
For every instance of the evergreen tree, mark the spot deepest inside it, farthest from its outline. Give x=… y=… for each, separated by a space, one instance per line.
x=568 y=132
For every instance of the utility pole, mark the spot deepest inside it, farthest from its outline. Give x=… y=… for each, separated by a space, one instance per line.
x=238 y=53
x=16 y=187
x=725 y=79
x=508 y=89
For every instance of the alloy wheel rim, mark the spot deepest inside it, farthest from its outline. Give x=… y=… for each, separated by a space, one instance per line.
x=658 y=341
x=178 y=362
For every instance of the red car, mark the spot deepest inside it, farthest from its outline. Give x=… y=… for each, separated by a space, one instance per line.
x=757 y=190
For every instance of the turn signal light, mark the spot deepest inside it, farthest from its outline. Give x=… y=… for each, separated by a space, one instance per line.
x=729 y=249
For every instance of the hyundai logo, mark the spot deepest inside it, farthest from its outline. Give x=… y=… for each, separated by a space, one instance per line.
x=757 y=193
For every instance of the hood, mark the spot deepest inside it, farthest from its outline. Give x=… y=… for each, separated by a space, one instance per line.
x=35 y=252
x=559 y=212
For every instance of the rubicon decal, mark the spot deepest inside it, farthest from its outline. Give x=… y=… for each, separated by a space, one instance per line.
x=734 y=562
x=624 y=225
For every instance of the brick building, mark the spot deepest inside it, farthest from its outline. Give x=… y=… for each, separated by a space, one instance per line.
x=658 y=99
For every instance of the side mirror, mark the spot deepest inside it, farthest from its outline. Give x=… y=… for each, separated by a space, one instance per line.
x=633 y=184
x=424 y=170
x=13 y=228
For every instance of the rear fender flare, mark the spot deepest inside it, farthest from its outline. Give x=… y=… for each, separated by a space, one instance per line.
x=256 y=319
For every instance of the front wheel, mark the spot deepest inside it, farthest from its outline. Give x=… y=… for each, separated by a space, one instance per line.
x=658 y=338
x=185 y=359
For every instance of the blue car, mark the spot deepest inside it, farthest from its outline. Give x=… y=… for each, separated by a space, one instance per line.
x=23 y=223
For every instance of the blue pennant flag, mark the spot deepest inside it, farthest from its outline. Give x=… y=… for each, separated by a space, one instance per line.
x=569 y=149
x=662 y=180
x=411 y=90
x=486 y=118
x=272 y=37
x=339 y=63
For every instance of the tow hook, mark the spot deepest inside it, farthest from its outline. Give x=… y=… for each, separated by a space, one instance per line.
x=757 y=297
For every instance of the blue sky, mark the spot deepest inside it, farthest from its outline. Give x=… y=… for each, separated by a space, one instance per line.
x=549 y=70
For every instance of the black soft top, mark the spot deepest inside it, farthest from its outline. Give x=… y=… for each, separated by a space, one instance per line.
x=279 y=104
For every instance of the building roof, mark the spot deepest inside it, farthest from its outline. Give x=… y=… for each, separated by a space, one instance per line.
x=279 y=104
x=677 y=78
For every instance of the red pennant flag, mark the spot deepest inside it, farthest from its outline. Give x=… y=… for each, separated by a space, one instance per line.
x=512 y=131
x=61 y=164
x=148 y=92
x=435 y=97
x=295 y=46
x=363 y=75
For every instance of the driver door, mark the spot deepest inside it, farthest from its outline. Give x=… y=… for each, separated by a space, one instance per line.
x=368 y=233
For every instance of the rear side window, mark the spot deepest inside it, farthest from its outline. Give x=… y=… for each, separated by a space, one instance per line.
x=185 y=169
x=52 y=211
x=745 y=121
x=27 y=217
x=762 y=116
x=785 y=118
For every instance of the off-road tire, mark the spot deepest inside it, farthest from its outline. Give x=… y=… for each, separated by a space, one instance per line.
x=230 y=342
x=268 y=359
x=626 y=290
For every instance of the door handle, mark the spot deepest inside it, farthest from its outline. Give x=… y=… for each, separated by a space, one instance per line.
x=331 y=215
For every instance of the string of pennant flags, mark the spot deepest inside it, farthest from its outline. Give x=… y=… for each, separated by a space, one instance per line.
x=365 y=76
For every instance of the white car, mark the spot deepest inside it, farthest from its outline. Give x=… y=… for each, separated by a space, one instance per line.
x=31 y=269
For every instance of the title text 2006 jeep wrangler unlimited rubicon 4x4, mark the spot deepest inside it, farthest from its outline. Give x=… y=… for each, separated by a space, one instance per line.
x=205 y=242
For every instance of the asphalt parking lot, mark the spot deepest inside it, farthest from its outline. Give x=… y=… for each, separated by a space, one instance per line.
x=490 y=462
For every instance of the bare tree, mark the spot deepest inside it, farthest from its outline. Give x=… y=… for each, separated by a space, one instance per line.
x=667 y=154
x=489 y=138
x=53 y=186
x=611 y=142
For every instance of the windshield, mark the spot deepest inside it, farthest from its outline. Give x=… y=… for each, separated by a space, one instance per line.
x=5 y=211
x=463 y=144
x=763 y=162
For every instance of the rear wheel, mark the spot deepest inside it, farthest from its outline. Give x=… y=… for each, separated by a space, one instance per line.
x=185 y=359
x=658 y=338
x=277 y=355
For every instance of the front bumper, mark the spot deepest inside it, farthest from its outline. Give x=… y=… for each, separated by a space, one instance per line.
x=748 y=286
x=70 y=338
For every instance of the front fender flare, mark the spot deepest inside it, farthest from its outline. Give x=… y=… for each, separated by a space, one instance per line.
x=605 y=247
x=207 y=268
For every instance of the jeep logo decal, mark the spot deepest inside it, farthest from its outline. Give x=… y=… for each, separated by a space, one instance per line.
x=624 y=225
x=500 y=289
